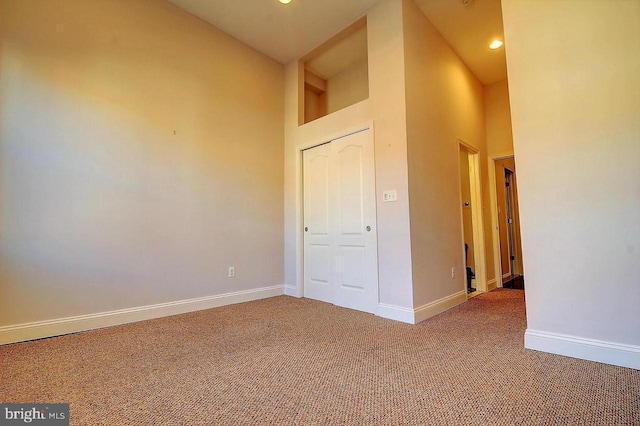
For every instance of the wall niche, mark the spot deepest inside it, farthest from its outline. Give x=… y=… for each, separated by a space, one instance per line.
x=335 y=74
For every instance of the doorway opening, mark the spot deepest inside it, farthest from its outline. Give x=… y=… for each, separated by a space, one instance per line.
x=472 y=225
x=508 y=223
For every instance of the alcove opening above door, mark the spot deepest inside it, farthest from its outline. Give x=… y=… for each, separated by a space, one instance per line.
x=336 y=73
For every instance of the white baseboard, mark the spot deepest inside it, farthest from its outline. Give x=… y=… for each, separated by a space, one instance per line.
x=416 y=315
x=57 y=327
x=397 y=313
x=436 y=307
x=589 y=349
x=491 y=285
x=291 y=290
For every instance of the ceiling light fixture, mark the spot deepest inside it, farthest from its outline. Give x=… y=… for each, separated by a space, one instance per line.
x=495 y=44
x=285 y=1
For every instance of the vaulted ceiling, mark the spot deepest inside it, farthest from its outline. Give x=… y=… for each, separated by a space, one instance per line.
x=286 y=32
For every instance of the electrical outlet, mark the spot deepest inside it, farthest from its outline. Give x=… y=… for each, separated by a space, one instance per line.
x=453 y=272
x=232 y=271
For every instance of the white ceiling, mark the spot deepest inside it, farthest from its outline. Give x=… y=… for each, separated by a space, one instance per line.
x=286 y=32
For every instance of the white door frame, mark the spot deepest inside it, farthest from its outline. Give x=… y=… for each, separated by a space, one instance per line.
x=493 y=196
x=299 y=290
x=476 y=215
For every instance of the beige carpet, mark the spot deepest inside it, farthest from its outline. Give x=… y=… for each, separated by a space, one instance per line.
x=286 y=361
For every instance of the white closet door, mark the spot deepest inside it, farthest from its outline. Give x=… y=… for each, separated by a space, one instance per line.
x=341 y=258
x=353 y=222
x=317 y=238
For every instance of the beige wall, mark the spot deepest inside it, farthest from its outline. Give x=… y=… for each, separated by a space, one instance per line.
x=348 y=87
x=575 y=99
x=498 y=119
x=140 y=156
x=490 y=254
x=499 y=144
x=315 y=104
x=444 y=104
x=385 y=108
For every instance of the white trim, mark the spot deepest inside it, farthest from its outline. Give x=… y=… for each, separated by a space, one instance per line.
x=477 y=213
x=397 y=313
x=291 y=290
x=578 y=347
x=438 y=306
x=414 y=316
x=321 y=140
x=57 y=327
x=477 y=220
x=491 y=284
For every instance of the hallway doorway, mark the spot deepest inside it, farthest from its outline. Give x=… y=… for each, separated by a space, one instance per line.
x=508 y=219
x=472 y=224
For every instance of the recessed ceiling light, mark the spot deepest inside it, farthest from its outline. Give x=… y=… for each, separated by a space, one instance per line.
x=285 y=1
x=495 y=44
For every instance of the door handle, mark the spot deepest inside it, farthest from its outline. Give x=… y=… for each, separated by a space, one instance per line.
x=368 y=228
x=306 y=228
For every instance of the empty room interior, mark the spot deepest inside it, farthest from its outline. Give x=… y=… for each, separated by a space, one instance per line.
x=321 y=212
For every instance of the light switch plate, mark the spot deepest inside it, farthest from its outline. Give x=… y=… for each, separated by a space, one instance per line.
x=391 y=195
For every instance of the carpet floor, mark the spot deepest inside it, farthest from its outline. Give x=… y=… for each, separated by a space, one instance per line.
x=288 y=361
